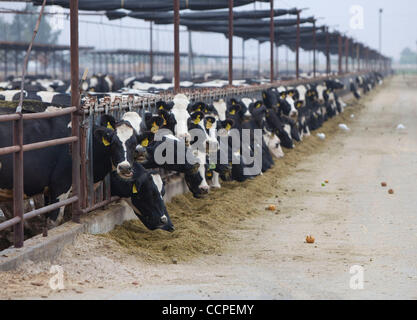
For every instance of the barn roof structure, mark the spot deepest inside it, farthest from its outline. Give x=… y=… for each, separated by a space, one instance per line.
x=260 y=25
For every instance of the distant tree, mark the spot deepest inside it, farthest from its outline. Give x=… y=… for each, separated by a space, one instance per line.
x=21 y=28
x=408 y=56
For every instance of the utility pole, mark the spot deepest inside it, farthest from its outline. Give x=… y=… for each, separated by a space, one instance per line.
x=380 y=32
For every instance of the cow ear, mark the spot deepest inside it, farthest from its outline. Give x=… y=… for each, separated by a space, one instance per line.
x=161 y=105
x=145 y=138
x=104 y=135
x=108 y=121
x=196 y=117
x=155 y=123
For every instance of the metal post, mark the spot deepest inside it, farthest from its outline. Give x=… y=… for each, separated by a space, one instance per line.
x=340 y=54
x=5 y=64
x=327 y=52
x=358 y=57
x=230 y=42
x=259 y=59
x=176 y=46
x=271 y=39
x=151 y=50
x=18 y=186
x=16 y=61
x=54 y=62
x=243 y=58
x=298 y=47
x=75 y=101
x=347 y=54
x=314 y=49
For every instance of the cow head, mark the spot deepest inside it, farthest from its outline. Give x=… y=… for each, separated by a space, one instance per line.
x=144 y=194
x=121 y=139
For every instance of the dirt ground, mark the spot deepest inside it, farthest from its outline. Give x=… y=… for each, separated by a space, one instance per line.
x=237 y=249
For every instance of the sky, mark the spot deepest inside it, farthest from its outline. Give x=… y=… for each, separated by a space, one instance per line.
x=399 y=28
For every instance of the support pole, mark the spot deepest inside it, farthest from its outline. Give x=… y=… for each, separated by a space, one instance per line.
x=314 y=49
x=75 y=101
x=230 y=42
x=327 y=52
x=176 y=46
x=347 y=54
x=151 y=50
x=340 y=54
x=5 y=64
x=271 y=40
x=243 y=58
x=298 y=47
x=259 y=59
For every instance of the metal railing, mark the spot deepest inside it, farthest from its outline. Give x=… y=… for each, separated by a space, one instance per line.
x=18 y=149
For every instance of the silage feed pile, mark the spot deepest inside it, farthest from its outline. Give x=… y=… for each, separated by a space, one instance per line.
x=203 y=226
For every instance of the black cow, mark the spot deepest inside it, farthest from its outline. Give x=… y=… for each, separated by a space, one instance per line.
x=48 y=171
x=146 y=157
x=144 y=192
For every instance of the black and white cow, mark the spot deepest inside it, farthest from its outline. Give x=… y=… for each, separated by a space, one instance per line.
x=48 y=171
x=144 y=193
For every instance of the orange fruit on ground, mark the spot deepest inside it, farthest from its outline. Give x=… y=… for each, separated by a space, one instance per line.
x=310 y=239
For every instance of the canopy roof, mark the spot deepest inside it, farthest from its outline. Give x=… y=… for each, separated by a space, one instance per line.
x=147 y=5
x=212 y=15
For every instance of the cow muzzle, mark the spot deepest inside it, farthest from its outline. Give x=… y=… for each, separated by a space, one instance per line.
x=124 y=170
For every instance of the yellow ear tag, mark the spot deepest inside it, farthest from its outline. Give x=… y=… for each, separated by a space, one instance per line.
x=228 y=126
x=258 y=106
x=105 y=142
x=278 y=104
x=165 y=121
x=209 y=124
x=109 y=126
x=144 y=142
x=233 y=103
x=154 y=128
x=134 y=189
x=161 y=108
x=209 y=174
x=197 y=120
x=264 y=95
x=233 y=112
x=92 y=90
x=291 y=94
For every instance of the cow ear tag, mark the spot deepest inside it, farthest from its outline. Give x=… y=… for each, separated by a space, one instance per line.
x=233 y=103
x=134 y=189
x=161 y=107
x=154 y=128
x=105 y=142
x=233 y=112
x=109 y=126
x=228 y=126
x=264 y=95
x=197 y=120
x=144 y=142
x=258 y=105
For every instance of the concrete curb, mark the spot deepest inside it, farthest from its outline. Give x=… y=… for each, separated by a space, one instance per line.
x=39 y=248
x=100 y=221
